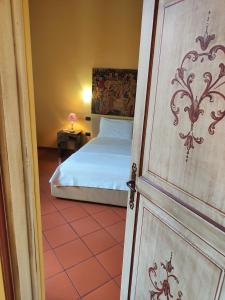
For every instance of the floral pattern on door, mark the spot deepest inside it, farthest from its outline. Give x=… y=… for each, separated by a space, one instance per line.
x=211 y=92
x=163 y=288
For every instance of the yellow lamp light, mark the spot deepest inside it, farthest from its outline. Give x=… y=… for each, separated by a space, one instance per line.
x=72 y=117
x=86 y=95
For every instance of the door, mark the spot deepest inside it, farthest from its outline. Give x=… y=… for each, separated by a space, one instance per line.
x=175 y=241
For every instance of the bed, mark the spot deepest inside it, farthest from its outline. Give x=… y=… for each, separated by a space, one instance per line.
x=98 y=172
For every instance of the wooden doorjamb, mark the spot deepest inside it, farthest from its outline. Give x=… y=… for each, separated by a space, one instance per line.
x=18 y=152
x=4 y=246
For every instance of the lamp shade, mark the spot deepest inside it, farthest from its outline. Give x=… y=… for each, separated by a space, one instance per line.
x=72 y=117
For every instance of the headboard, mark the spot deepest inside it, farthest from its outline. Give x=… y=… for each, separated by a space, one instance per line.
x=96 y=121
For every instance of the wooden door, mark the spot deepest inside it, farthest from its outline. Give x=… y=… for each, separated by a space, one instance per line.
x=175 y=241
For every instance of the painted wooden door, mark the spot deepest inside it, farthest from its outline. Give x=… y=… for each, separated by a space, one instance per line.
x=175 y=241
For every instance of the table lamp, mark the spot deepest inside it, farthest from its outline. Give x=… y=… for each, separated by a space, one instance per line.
x=72 y=117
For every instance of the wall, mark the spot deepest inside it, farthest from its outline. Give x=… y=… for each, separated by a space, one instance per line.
x=69 y=38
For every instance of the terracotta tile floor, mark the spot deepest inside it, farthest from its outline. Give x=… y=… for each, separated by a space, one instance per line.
x=82 y=243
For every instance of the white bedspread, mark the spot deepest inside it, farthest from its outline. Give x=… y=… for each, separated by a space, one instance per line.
x=101 y=163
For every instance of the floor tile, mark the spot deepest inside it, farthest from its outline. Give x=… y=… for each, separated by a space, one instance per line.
x=46 y=197
x=62 y=204
x=118 y=280
x=121 y=211
x=51 y=264
x=72 y=253
x=109 y=291
x=47 y=207
x=99 y=241
x=59 y=287
x=117 y=231
x=88 y=275
x=46 y=245
x=112 y=260
x=60 y=235
x=122 y=245
x=44 y=188
x=107 y=218
x=73 y=213
x=44 y=180
x=93 y=208
x=85 y=225
x=52 y=220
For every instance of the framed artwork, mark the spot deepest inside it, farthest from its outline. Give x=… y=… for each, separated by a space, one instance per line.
x=114 y=91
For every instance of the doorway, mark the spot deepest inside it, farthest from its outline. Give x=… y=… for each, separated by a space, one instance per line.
x=68 y=40
x=178 y=223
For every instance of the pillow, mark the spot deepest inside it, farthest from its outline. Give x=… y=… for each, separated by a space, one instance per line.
x=114 y=128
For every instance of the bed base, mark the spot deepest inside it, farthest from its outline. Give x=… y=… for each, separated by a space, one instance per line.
x=96 y=195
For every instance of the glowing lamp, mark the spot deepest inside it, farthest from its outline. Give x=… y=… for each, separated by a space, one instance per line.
x=72 y=118
x=86 y=95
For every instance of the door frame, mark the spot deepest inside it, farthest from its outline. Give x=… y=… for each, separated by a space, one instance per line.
x=18 y=151
x=5 y=263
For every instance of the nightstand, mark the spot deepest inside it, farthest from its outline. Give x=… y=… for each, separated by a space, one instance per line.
x=68 y=142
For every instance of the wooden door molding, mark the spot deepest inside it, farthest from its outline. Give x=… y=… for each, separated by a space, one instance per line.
x=153 y=222
x=4 y=246
x=18 y=151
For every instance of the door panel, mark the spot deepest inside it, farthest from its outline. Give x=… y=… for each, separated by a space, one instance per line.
x=175 y=248
x=175 y=259
x=186 y=119
x=192 y=221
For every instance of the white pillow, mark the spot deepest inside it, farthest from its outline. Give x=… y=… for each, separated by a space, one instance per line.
x=113 y=128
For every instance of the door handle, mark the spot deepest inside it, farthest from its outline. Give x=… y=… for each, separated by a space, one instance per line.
x=132 y=185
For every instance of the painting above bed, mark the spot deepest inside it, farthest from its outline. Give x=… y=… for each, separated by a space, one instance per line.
x=113 y=91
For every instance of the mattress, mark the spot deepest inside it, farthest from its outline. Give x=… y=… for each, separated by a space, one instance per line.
x=101 y=163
